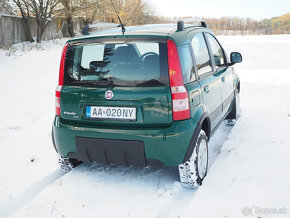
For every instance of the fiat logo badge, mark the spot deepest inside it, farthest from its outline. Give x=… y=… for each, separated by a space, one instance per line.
x=109 y=94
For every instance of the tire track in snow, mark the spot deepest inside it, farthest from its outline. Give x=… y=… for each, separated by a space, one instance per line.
x=27 y=196
x=181 y=197
x=176 y=198
x=175 y=206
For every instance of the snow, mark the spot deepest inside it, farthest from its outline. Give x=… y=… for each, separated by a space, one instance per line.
x=252 y=168
x=27 y=110
x=249 y=163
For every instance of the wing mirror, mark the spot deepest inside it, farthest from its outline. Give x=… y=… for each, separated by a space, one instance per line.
x=236 y=57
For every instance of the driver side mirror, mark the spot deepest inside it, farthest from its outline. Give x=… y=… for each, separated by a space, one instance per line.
x=236 y=57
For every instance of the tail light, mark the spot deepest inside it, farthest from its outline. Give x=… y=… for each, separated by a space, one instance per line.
x=60 y=81
x=180 y=102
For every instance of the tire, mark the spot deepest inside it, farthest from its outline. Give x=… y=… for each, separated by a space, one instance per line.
x=236 y=111
x=193 y=171
x=67 y=164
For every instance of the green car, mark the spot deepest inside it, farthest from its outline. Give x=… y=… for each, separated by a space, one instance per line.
x=151 y=96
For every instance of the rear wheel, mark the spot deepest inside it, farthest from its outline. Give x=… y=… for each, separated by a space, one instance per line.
x=193 y=171
x=66 y=164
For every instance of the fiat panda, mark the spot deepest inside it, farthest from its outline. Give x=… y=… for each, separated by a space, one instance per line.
x=150 y=96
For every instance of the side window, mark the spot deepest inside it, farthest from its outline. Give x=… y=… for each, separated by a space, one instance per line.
x=201 y=54
x=186 y=63
x=217 y=51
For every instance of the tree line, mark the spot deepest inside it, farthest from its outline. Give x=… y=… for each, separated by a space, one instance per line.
x=131 y=12
x=242 y=26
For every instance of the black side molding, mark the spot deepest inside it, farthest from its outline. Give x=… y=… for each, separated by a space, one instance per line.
x=195 y=136
x=53 y=142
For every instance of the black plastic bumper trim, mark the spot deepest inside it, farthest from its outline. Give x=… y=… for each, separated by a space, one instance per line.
x=109 y=151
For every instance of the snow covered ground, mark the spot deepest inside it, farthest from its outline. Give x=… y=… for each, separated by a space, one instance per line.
x=249 y=163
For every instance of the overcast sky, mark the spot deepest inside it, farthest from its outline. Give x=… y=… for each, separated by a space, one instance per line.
x=257 y=9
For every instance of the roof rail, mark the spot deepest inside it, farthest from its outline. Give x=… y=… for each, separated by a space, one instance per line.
x=98 y=26
x=180 y=23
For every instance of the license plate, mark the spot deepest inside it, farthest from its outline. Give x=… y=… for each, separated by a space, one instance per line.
x=111 y=113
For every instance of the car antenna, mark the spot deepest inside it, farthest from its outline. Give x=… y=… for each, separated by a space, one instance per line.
x=123 y=28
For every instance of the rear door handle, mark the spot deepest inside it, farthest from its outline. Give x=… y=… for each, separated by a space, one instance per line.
x=223 y=79
x=206 y=89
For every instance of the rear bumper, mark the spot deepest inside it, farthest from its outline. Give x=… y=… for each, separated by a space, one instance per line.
x=145 y=146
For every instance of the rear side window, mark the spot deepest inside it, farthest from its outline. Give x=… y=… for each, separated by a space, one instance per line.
x=201 y=54
x=186 y=63
x=117 y=64
x=217 y=51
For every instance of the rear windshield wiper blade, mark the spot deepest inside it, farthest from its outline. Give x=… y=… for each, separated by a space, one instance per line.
x=152 y=82
x=102 y=82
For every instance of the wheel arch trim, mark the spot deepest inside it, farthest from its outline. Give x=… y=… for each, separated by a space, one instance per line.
x=199 y=126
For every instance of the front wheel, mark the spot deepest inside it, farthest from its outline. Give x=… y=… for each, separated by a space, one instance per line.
x=193 y=171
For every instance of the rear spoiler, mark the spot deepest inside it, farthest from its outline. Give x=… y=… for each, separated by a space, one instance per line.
x=97 y=27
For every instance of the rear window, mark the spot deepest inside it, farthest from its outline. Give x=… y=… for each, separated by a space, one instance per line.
x=117 y=64
x=186 y=63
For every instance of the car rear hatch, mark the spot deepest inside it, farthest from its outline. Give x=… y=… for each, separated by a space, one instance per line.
x=117 y=82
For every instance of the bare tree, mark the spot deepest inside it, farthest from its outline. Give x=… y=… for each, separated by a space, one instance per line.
x=92 y=10
x=6 y=8
x=42 y=10
x=131 y=12
x=69 y=9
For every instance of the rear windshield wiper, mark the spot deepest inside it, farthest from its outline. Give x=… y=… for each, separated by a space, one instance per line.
x=152 y=82
x=100 y=82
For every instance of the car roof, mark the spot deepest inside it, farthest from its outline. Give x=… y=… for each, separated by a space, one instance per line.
x=148 y=30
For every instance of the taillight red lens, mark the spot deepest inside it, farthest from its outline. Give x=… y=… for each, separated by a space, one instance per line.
x=61 y=67
x=180 y=103
x=57 y=100
x=60 y=81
